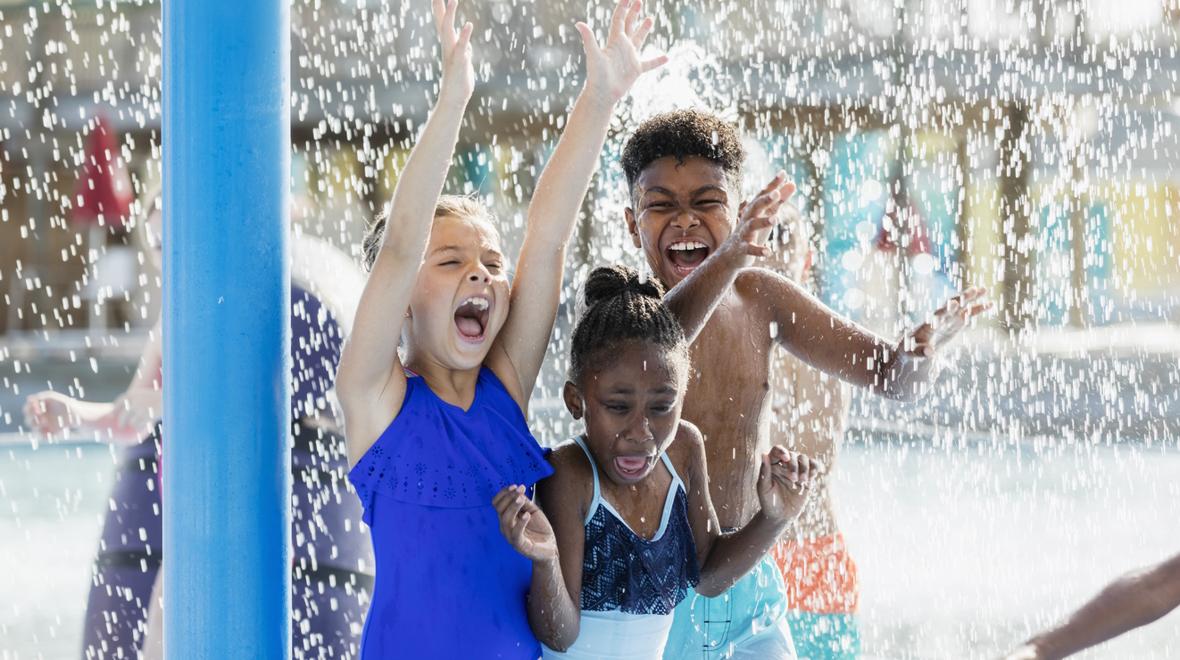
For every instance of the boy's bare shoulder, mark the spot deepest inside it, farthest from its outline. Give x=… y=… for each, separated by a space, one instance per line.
x=763 y=290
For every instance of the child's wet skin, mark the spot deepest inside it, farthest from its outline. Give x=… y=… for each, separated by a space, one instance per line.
x=728 y=400
x=816 y=404
x=630 y=409
x=729 y=379
x=809 y=411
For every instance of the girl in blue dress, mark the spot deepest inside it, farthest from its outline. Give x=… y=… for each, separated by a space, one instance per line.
x=435 y=433
x=633 y=527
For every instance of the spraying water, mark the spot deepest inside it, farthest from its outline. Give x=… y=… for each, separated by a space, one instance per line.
x=1030 y=148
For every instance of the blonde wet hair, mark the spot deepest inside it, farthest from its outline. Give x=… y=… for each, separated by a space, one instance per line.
x=447 y=206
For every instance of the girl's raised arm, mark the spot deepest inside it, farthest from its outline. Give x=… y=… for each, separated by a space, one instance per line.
x=370 y=381
x=610 y=72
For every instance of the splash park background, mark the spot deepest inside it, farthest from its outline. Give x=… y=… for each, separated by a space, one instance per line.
x=1028 y=147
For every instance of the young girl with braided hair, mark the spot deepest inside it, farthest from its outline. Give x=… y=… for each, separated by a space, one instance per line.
x=628 y=512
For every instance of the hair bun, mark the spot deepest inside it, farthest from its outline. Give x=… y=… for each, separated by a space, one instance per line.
x=606 y=282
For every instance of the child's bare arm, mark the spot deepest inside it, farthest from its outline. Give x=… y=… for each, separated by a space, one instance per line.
x=838 y=346
x=553 y=615
x=809 y=410
x=553 y=211
x=147 y=372
x=783 y=486
x=127 y=419
x=1133 y=600
x=696 y=296
x=702 y=517
x=137 y=409
x=51 y=414
x=370 y=381
x=554 y=600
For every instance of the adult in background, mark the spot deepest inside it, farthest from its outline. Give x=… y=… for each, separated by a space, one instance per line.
x=332 y=567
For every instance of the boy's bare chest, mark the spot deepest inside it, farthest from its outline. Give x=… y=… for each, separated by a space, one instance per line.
x=729 y=382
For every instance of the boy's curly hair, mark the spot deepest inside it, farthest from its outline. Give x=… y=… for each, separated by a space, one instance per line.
x=620 y=306
x=683 y=134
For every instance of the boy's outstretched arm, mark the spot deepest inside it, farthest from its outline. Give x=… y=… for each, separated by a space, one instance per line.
x=611 y=70
x=696 y=296
x=370 y=381
x=1132 y=601
x=836 y=345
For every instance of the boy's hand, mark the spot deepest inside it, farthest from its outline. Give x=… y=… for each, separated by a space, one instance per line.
x=458 y=72
x=755 y=219
x=524 y=525
x=49 y=413
x=948 y=321
x=784 y=483
x=611 y=70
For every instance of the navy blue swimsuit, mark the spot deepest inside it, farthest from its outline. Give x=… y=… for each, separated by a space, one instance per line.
x=630 y=584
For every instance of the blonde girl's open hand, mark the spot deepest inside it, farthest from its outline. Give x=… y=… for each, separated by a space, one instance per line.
x=784 y=483
x=612 y=68
x=524 y=524
x=458 y=70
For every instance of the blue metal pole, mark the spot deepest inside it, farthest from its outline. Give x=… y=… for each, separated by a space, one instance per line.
x=226 y=144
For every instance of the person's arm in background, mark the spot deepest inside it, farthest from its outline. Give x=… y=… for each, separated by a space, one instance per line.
x=809 y=407
x=126 y=420
x=1135 y=599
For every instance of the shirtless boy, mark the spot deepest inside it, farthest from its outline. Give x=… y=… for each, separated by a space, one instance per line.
x=684 y=171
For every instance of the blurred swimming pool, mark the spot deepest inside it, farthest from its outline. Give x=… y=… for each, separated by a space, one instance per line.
x=961 y=551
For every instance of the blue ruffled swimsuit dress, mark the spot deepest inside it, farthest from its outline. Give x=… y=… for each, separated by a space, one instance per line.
x=448 y=584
